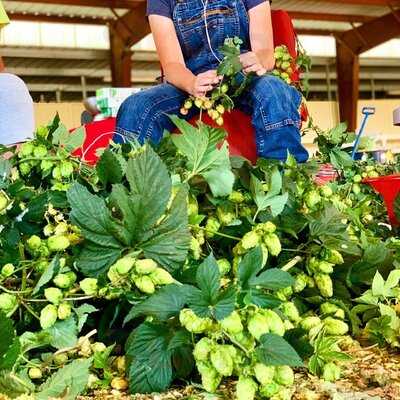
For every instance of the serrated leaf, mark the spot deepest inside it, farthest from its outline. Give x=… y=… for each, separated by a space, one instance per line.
x=168 y=243
x=109 y=168
x=63 y=333
x=13 y=385
x=60 y=134
x=124 y=202
x=164 y=304
x=91 y=215
x=273 y=279
x=261 y=299
x=7 y=333
x=68 y=382
x=249 y=266
x=275 y=350
x=151 y=368
x=208 y=301
x=8 y=359
x=150 y=183
x=82 y=312
x=75 y=139
x=272 y=198
x=208 y=278
x=340 y=159
x=225 y=304
x=199 y=146
x=47 y=275
x=378 y=285
x=101 y=358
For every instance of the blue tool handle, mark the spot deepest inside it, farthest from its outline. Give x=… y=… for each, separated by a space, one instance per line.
x=366 y=111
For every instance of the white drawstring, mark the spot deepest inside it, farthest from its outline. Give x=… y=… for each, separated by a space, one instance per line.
x=207 y=33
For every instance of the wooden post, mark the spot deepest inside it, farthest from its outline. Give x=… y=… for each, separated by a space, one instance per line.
x=349 y=45
x=124 y=33
x=121 y=60
x=1 y=65
x=347 y=67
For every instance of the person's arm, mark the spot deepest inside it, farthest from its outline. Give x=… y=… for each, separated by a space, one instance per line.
x=261 y=57
x=172 y=61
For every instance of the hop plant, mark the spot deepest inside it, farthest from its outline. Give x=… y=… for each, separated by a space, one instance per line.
x=34 y=242
x=60 y=359
x=332 y=256
x=275 y=323
x=300 y=282
x=273 y=243
x=224 y=266
x=192 y=322
x=212 y=226
x=335 y=326
x=53 y=295
x=8 y=302
x=202 y=349
x=35 y=373
x=284 y=375
x=89 y=286
x=236 y=197
x=7 y=270
x=324 y=284
x=26 y=149
x=146 y=266
x=123 y=265
x=331 y=372
x=264 y=373
x=250 y=240
x=4 y=201
x=210 y=379
x=161 y=277
x=64 y=311
x=48 y=316
x=232 y=323
x=65 y=281
x=270 y=389
x=332 y=309
x=246 y=388
x=290 y=310
x=58 y=243
x=312 y=199
x=258 y=325
x=66 y=169
x=144 y=284
x=225 y=215
x=40 y=151
x=221 y=360
x=310 y=322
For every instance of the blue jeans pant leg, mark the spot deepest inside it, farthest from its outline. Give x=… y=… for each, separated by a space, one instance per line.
x=144 y=115
x=274 y=107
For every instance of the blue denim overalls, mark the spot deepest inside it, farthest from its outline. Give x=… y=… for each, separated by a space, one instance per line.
x=272 y=103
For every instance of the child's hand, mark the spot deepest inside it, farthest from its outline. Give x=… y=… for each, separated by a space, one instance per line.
x=204 y=82
x=251 y=63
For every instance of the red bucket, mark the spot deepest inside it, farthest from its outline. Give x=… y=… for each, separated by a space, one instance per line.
x=388 y=187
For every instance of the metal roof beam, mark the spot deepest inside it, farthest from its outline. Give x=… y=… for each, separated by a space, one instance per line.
x=88 y=3
x=58 y=19
x=300 y=15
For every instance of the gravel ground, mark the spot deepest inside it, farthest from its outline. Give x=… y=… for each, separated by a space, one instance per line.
x=374 y=374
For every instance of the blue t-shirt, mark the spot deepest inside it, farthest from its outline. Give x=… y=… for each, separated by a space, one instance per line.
x=166 y=7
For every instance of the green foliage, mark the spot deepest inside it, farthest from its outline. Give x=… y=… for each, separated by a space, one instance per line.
x=204 y=158
x=107 y=237
x=203 y=267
